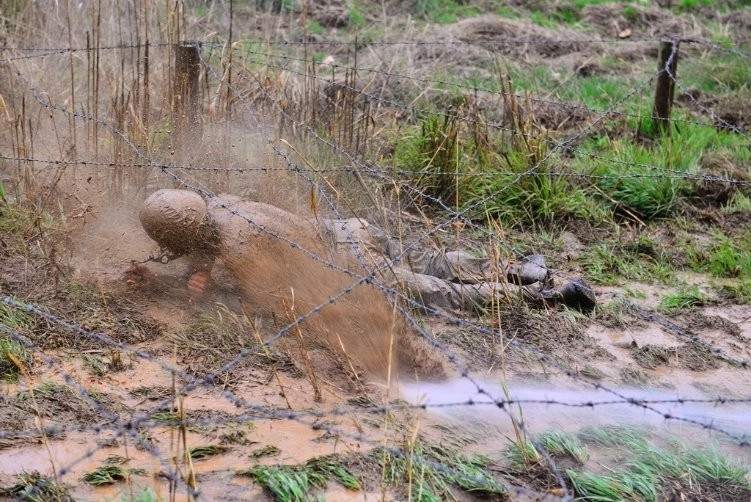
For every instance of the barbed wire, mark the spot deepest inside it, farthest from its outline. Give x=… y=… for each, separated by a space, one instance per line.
x=513 y=41
x=668 y=174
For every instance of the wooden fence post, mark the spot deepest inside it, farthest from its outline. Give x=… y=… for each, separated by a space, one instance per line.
x=665 y=86
x=186 y=95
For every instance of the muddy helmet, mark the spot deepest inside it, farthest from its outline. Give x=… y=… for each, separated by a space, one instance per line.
x=177 y=220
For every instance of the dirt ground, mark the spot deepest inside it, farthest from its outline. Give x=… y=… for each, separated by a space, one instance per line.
x=122 y=353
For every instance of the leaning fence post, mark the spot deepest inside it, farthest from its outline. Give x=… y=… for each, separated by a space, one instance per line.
x=665 y=86
x=186 y=95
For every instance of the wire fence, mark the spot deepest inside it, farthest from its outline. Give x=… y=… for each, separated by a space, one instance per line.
x=289 y=104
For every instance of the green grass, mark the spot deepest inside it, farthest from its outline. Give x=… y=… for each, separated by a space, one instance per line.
x=432 y=471
x=443 y=11
x=199 y=452
x=523 y=455
x=686 y=5
x=492 y=174
x=720 y=73
x=682 y=299
x=600 y=91
x=648 y=180
x=543 y=19
x=356 y=17
x=630 y=438
x=34 y=487
x=617 y=263
x=650 y=473
x=725 y=257
x=105 y=475
x=654 y=474
x=507 y=11
x=15 y=357
x=292 y=483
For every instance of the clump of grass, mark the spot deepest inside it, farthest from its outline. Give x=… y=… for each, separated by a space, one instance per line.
x=63 y=402
x=105 y=475
x=739 y=292
x=35 y=487
x=292 y=483
x=199 y=452
x=284 y=482
x=682 y=299
x=431 y=471
x=559 y=444
x=335 y=470
x=266 y=451
x=726 y=258
x=658 y=473
x=15 y=359
x=631 y=438
x=647 y=180
x=455 y=159
x=523 y=455
x=443 y=11
x=615 y=263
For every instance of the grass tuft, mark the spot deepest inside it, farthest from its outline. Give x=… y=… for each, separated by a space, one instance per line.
x=105 y=475
x=292 y=483
x=683 y=299
x=34 y=487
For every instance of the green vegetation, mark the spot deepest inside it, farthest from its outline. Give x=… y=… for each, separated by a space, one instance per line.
x=199 y=452
x=507 y=175
x=15 y=357
x=443 y=11
x=725 y=256
x=431 y=471
x=34 y=487
x=682 y=299
x=616 y=263
x=292 y=483
x=105 y=475
x=655 y=185
x=523 y=455
x=651 y=473
x=637 y=470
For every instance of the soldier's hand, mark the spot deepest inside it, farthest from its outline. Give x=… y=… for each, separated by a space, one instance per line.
x=137 y=276
x=198 y=283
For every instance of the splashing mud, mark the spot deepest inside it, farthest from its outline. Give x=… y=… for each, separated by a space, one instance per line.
x=289 y=274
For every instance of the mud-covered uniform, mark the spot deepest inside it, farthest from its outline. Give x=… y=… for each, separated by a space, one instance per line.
x=237 y=230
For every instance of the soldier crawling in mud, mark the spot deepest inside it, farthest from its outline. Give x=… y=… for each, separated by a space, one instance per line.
x=242 y=233
x=316 y=277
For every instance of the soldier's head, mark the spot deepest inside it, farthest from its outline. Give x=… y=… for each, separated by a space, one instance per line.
x=178 y=221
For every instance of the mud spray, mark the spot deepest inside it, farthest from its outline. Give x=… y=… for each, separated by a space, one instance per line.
x=546 y=407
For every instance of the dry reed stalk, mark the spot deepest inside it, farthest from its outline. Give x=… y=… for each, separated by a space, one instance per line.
x=146 y=103
x=71 y=117
x=352 y=368
x=39 y=420
x=97 y=44
x=289 y=309
x=190 y=477
x=273 y=365
x=228 y=109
